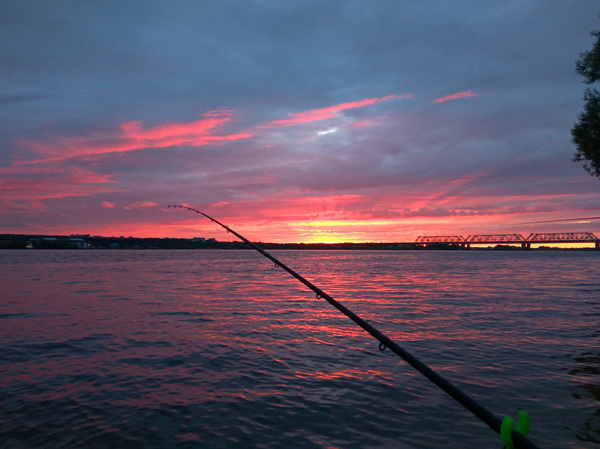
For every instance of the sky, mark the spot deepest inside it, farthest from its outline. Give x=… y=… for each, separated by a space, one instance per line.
x=293 y=121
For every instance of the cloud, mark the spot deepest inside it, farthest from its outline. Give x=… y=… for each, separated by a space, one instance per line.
x=314 y=115
x=134 y=136
x=197 y=133
x=131 y=136
x=141 y=205
x=51 y=182
x=32 y=192
x=7 y=99
x=23 y=98
x=456 y=96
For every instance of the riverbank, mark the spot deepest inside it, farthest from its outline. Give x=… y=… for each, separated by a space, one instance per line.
x=24 y=241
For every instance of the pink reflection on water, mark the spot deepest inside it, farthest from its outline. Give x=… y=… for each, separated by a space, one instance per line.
x=141 y=330
x=351 y=373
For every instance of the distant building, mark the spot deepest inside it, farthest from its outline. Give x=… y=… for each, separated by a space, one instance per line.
x=81 y=243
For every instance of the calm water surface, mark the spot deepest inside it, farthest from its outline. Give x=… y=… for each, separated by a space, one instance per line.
x=217 y=349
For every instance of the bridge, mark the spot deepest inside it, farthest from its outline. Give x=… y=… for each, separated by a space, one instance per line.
x=554 y=237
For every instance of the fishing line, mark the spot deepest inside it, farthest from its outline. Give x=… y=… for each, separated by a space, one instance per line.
x=495 y=423
x=559 y=221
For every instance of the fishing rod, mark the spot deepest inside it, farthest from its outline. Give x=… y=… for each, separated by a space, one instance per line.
x=510 y=436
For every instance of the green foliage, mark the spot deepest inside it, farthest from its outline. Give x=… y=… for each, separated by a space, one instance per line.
x=588 y=64
x=586 y=132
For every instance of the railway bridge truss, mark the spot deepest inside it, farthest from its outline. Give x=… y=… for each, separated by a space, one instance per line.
x=518 y=239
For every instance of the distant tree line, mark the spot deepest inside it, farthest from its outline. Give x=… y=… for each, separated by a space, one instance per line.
x=22 y=241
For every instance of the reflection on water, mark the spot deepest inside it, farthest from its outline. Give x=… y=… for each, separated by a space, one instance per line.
x=221 y=349
x=587 y=374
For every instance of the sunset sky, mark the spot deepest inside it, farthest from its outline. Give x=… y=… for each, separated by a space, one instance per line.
x=293 y=121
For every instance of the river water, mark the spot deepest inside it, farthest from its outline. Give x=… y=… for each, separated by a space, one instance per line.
x=219 y=349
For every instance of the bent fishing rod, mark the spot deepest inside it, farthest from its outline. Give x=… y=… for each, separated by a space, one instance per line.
x=503 y=427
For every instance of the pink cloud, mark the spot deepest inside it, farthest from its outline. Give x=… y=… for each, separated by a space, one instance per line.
x=27 y=189
x=107 y=204
x=456 y=96
x=195 y=133
x=331 y=111
x=133 y=136
x=141 y=205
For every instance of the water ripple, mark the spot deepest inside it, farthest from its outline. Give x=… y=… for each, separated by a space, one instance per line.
x=217 y=349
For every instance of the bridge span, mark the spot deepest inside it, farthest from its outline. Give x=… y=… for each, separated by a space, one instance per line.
x=554 y=237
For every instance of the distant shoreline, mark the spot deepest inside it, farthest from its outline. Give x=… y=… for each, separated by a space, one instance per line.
x=34 y=241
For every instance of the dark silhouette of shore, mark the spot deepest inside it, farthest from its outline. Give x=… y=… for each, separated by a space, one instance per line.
x=33 y=241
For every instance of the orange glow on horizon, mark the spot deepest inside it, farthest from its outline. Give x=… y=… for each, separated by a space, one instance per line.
x=327 y=219
x=404 y=230
x=332 y=231
x=251 y=201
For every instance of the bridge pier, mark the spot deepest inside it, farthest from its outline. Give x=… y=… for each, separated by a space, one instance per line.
x=597 y=246
x=526 y=245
